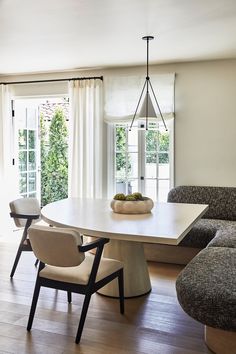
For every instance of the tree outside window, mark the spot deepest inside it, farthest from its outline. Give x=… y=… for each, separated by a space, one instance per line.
x=54 y=158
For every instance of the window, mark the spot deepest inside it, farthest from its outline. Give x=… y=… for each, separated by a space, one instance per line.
x=27 y=152
x=38 y=158
x=143 y=160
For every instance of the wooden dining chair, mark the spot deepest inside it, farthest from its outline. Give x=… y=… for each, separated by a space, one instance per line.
x=24 y=211
x=66 y=265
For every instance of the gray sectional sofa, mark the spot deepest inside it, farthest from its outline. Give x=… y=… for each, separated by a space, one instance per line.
x=206 y=288
x=221 y=214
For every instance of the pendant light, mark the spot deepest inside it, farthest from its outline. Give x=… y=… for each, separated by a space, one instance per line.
x=147 y=110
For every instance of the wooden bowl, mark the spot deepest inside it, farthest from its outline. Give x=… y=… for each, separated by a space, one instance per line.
x=132 y=207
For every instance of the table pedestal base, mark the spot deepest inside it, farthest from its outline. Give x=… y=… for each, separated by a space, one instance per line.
x=136 y=275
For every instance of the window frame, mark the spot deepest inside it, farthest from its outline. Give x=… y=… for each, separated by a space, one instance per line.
x=111 y=152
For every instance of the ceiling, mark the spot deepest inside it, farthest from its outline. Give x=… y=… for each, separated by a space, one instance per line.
x=54 y=35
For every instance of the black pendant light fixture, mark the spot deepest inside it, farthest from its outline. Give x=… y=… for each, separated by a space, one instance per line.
x=147 y=110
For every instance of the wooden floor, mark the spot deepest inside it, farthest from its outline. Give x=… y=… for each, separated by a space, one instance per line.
x=152 y=324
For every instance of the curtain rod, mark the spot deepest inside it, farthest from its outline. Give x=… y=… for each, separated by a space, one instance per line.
x=51 y=80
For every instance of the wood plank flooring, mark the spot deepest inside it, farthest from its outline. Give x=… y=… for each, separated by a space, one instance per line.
x=152 y=324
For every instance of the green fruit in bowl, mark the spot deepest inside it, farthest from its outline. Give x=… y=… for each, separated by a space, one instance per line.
x=119 y=196
x=130 y=197
x=137 y=195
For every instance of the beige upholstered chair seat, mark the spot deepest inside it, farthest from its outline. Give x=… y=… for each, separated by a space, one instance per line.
x=81 y=273
x=66 y=264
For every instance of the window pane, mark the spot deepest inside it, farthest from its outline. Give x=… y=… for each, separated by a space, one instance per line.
x=164 y=141
x=23 y=182
x=133 y=165
x=164 y=170
x=151 y=165
x=151 y=140
x=120 y=165
x=31 y=118
x=32 y=160
x=124 y=187
x=22 y=137
x=32 y=195
x=120 y=186
x=32 y=181
x=120 y=138
x=164 y=186
x=133 y=140
x=151 y=188
x=133 y=186
x=32 y=139
x=22 y=161
x=20 y=113
x=163 y=157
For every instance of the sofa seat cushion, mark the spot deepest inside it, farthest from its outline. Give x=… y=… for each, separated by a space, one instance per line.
x=225 y=237
x=204 y=231
x=206 y=288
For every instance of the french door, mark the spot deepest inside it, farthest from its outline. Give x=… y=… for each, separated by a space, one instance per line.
x=27 y=147
x=32 y=120
x=144 y=160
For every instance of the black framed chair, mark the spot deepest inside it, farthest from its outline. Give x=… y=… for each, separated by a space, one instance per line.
x=65 y=266
x=24 y=211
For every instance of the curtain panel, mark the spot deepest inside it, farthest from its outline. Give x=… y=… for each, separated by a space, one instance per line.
x=5 y=145
x=9 y=188
x=86 y=138
x=121 y=95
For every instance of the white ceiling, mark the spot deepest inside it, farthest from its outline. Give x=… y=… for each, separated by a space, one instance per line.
x=52 y=35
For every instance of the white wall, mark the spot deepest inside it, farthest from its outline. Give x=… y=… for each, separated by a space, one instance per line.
x=205 y=124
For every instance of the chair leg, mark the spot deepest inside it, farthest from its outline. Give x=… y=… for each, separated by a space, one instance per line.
x=69 y=296
x=18 y=254
x=121 y=290
x=34 y=304
x=83 y=317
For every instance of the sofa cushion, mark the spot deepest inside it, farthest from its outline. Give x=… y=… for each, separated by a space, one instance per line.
x=204 y=231
x=221 y=200
x=225 y=237
x=206 y=288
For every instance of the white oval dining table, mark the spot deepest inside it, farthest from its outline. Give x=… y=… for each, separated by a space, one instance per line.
x=167 y=223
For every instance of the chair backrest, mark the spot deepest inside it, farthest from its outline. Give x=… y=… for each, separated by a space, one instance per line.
x=56 y=246
x=26 y=206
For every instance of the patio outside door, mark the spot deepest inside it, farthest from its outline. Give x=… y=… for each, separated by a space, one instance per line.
x=32 y=127
x=27 y=147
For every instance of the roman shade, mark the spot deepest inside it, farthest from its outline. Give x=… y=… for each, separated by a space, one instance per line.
x=121 y=95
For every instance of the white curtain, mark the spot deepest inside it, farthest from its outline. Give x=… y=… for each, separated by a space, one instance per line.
x=122 y=94
x=4 y=131
x=8 y=175
x=86 y=138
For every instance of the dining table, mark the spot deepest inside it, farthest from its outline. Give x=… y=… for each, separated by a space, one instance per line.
x=167 y=223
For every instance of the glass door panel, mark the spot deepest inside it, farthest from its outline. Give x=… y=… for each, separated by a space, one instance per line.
x=163 y=189
x=151 y=188
x=26 y=120
x=142 y=161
